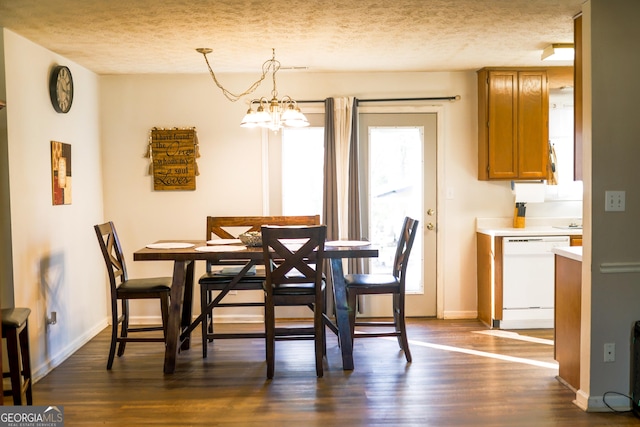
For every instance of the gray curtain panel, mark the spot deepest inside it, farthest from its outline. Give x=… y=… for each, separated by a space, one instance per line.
x=354 y=227
x=330 y=196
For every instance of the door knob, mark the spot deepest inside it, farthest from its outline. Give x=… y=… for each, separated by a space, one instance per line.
x=430 y=212
x=430 y=226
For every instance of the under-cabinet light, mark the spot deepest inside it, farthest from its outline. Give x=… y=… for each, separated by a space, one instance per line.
x=558 y=52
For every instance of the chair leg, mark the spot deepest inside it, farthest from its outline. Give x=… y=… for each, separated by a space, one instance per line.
x=351 y=303
x=401 y=325
x=124 y=328
x=396 y=318
x=204 y=301
x=270 y=341
x=319 y=339
x=14 y=365
x=114 y=334
x=324 y=334
x=210 y=315
x=164 y=312
x=26 y=363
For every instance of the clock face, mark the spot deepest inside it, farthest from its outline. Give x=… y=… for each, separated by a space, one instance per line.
x=61 y=89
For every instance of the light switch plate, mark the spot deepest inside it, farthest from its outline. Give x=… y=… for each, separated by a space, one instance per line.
x=614 y=201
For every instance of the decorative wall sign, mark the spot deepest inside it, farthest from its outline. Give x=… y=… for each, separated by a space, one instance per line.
x=61 y=173
x=173 y=154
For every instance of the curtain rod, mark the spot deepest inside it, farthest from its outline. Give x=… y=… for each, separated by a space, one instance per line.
x=432 y=98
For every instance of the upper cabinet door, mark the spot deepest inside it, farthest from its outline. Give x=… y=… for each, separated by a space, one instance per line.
x=513 y=129
x=503 y=124
x=533 y=125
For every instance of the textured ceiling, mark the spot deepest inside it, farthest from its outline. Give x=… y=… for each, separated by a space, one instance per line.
x=160 y=36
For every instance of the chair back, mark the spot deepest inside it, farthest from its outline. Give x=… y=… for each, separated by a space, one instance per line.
x=403 y=250
x=220 y=225
x=293 y=255
x=112 y=253
x=230 y=227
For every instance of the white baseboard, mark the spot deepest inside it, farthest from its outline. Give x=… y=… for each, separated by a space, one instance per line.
x=40 y=371
x=243 y=318
x=460 y=315
x=143 y=320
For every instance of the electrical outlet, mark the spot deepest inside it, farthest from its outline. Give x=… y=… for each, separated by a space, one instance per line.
x=53 y=319
x=610 y=352
x=614 y=201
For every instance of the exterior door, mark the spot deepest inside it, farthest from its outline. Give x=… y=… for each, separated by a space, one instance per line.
x=398 y=179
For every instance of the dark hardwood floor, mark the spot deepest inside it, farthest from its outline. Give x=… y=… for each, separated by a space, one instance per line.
x=452 y=381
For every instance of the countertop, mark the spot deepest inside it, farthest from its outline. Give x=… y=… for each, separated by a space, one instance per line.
x=503 y=227
x=571 y=252
x=530 y=231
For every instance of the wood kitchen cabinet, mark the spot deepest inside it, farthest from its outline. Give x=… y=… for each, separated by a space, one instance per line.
x=513 y=124
x=490 y=278
x=568 y=294
x=575 y=240
x=489 y=253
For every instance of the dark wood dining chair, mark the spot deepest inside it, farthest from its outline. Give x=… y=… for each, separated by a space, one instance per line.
x=124 y=289
x=293 y=266
x=15 y=330
x=214 y=279
x=393 y=283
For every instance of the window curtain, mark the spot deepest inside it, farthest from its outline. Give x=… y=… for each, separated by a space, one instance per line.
x=354 y=227
x=341 y=200
x=342 y=196
x=330 y=196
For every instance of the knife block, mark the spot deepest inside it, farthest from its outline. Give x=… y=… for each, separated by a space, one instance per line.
x=518 y=221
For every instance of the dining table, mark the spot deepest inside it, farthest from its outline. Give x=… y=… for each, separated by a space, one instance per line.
x=185 y=253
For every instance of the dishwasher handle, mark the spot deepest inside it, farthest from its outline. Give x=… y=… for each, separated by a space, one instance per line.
x=532 y=239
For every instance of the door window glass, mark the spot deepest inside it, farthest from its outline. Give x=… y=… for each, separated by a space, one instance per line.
x=395 y=191
x=302 y=170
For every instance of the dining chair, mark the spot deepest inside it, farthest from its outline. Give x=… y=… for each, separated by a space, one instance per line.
x=123 y=289
x=216 y=278
x=293 y=258
x=393 y=283
x=15 y=330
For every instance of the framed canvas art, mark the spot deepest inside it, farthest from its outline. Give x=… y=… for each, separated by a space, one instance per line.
x=61 y=173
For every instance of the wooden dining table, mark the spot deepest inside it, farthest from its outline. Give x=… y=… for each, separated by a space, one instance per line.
x=180 y=322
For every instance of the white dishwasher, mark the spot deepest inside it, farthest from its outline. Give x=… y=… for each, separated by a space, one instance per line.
x=528 y=281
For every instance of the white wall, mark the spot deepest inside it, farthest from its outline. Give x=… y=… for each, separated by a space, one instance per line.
x=57 y=265
x=612 y=300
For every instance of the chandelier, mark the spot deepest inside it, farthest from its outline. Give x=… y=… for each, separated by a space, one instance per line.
x=271 y=113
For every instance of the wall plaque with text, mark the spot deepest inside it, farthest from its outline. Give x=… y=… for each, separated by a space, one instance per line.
x=173 y=154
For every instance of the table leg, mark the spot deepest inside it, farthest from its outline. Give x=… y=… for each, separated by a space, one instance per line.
x=175 y=315
x=342 y=313
x=187 y=306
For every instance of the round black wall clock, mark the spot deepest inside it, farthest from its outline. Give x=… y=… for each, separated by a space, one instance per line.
x=61 y=89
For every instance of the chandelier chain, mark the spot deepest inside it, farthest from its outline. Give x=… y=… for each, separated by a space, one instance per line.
x=266 y=66
x=271 y=113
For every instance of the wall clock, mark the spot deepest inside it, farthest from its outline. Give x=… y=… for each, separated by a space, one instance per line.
x=61 y=89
